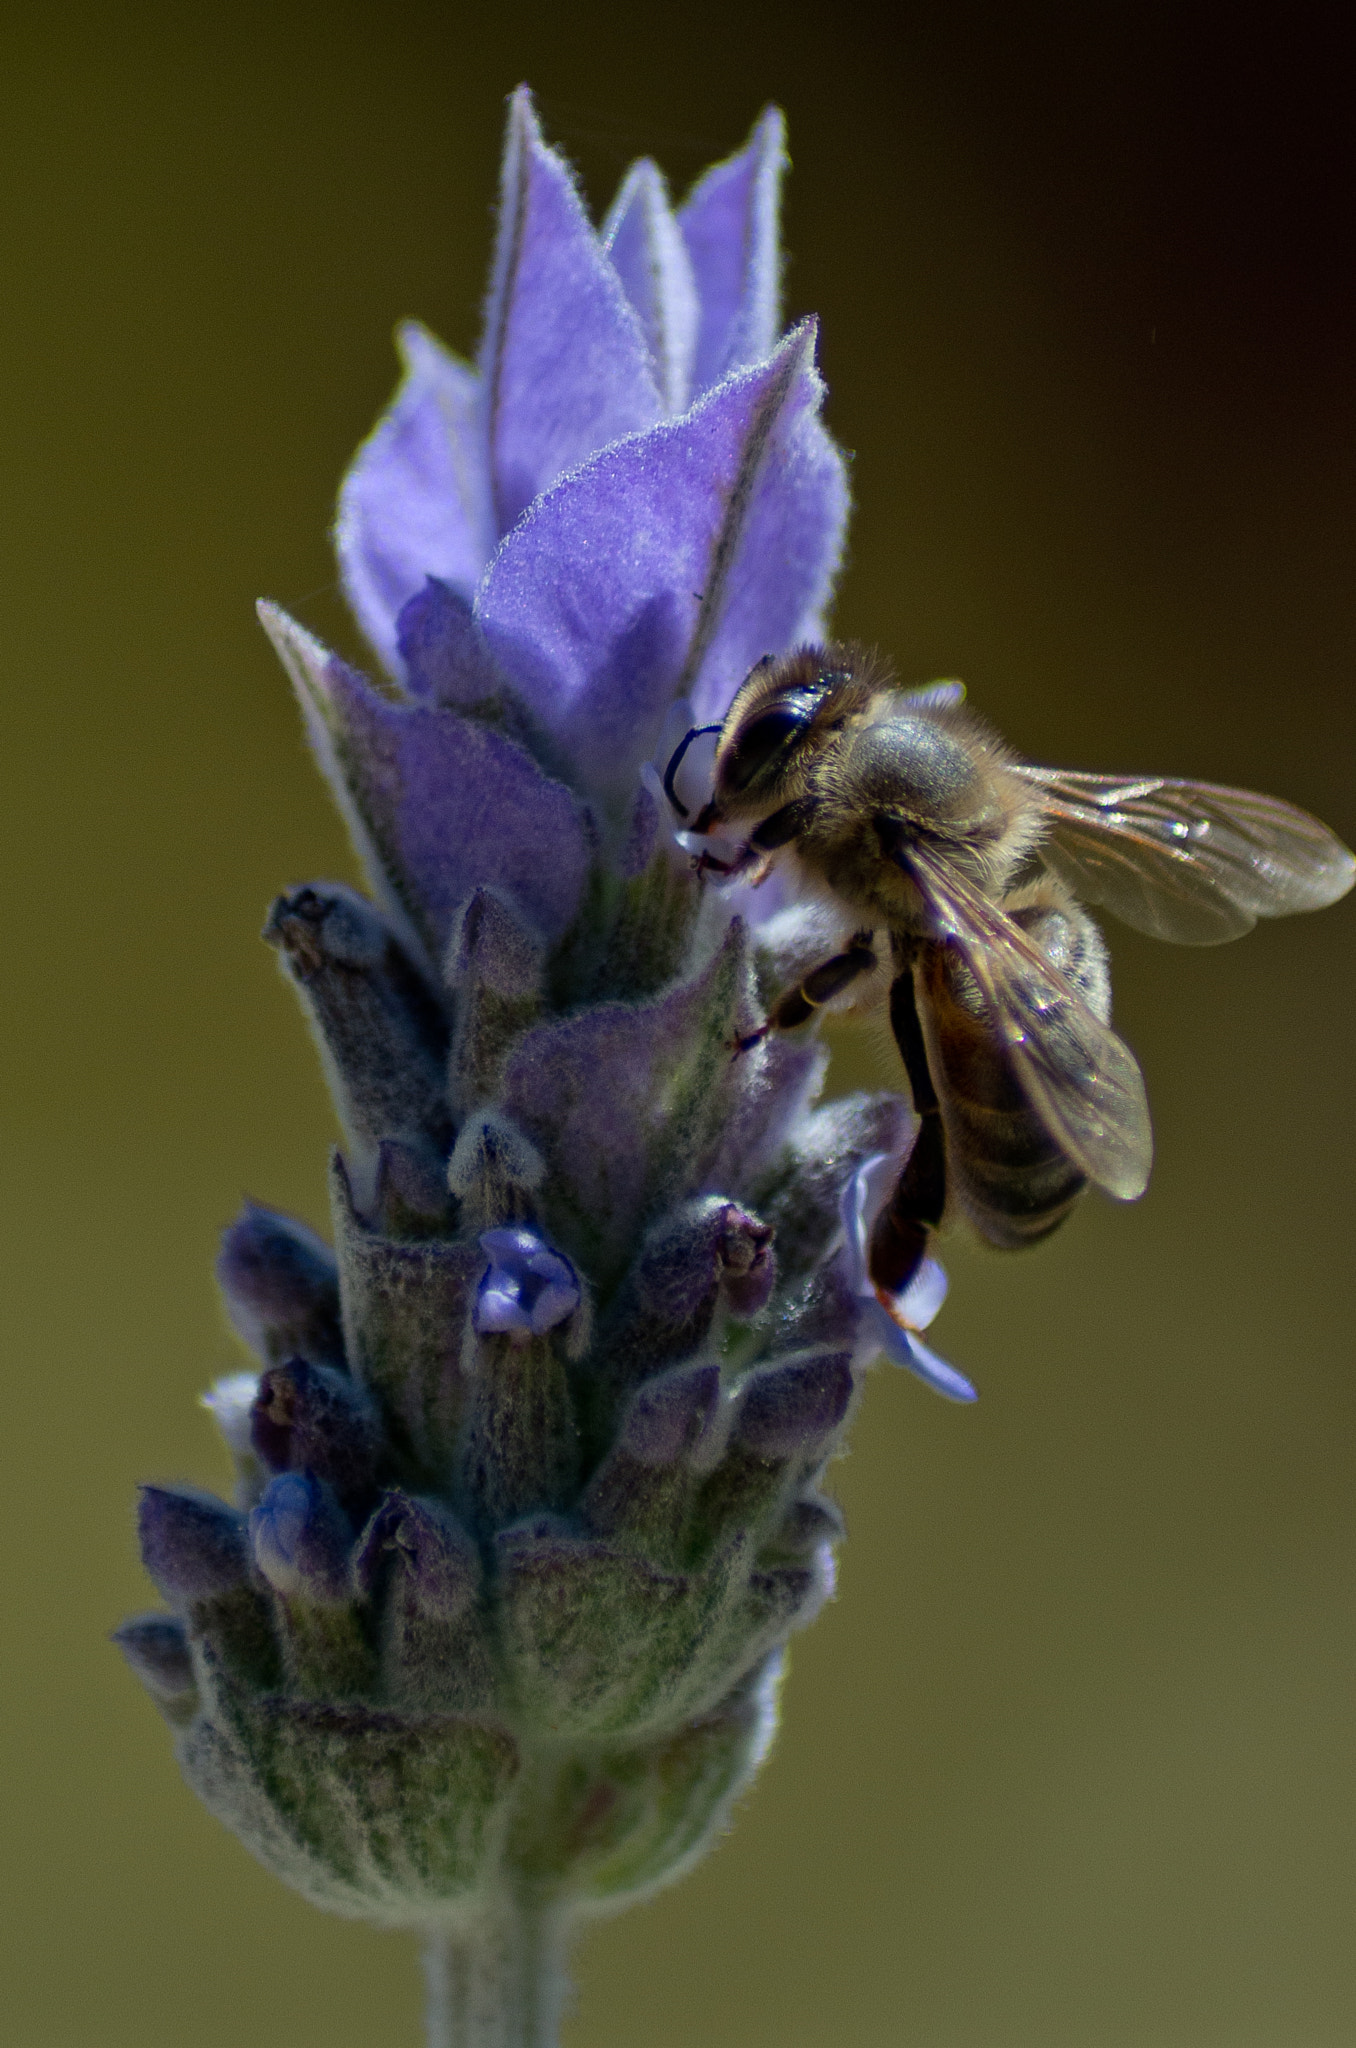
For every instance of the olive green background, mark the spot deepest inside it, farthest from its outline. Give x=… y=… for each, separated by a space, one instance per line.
x=1068 y=1765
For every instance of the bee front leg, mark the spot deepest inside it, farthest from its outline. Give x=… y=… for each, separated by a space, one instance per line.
x=753 y=862
x=820 y=986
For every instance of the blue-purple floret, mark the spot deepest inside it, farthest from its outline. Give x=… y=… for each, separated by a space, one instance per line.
x=527 y=1288
x=533 y=1457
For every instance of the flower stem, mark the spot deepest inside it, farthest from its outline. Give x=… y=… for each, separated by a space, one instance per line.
x=497 y=1981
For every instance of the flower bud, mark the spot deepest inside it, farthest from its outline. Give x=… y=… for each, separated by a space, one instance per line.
x=302 y=1544
x=670 y=1414
x=808 y=1523
x=311 y=1418
x=380 y=1028
x=407 y=1310
x=192 y=1544
x=410 y=1197
x=792 y=1408
x=281 y=1286
x=705 y=1250
x=197 y=1551
x=156 y=1648
x=423 y=1572
x=642 y=1492
x=301 y=1540
x=493 y=1169
x=787 y=1415
x=494 y=963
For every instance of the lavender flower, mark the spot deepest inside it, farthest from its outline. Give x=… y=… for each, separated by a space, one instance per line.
x=529 y=1475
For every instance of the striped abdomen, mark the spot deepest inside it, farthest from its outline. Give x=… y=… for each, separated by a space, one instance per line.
x=1008 y=1174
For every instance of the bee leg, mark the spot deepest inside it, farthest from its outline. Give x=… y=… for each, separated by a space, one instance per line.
x=902 y=1233
x=783 y=826
x=754 y=860
x=820 y=986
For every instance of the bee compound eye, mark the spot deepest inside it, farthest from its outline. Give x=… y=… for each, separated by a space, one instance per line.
x=765 y=739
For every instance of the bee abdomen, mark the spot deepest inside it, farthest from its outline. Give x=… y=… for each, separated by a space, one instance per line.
x=1011 y=1178
x=1008 y=1173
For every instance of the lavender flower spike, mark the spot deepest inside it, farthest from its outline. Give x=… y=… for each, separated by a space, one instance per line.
x=529 y=1467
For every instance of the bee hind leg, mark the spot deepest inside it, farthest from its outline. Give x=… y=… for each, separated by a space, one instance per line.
x=820 y=986
x=902 y=1233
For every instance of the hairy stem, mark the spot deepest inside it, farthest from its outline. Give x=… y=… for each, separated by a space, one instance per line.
x=498 y=1980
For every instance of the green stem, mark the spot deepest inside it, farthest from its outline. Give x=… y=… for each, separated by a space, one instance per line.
x=498 y=1980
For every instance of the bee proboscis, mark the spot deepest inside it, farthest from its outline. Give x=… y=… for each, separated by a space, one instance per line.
x=963 y=865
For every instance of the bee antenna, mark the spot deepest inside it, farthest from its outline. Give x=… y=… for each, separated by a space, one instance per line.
x=676 y=761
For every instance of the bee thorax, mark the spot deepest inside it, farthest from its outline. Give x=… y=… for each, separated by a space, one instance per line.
x=915 y=766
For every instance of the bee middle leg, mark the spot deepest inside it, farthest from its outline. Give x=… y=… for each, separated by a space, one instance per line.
x=820 y=986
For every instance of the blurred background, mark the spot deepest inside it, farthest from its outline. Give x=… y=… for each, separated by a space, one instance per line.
x=1069 y=1762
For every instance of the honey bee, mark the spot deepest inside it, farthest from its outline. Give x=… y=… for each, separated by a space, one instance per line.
x=957 y=867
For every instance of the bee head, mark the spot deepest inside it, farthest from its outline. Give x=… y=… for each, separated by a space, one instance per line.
x=781 y=717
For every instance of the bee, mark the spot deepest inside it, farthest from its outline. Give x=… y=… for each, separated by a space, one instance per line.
x=959 y=868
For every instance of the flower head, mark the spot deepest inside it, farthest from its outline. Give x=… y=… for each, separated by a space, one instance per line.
x=529 y=1472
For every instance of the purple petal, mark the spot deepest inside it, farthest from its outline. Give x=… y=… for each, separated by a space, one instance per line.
x=650 y=257
x=156 y=1647
x=902 y=1348
x=671 y=564
x=416 y=501
x=730 y=225
x=443 y=655
x=436 y=804
x=565 y=361
x=862 y=1198
x=527 y=1289
x=924 y=1295
x=497 y=1309
x=229 y=1401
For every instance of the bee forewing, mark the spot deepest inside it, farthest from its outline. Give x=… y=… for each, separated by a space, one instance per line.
x=1187 y=861
x=1079 y=1077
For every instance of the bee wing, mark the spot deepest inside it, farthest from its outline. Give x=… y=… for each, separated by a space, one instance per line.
x=1187 y=861
x=930 y=696
x=1079 y=1077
